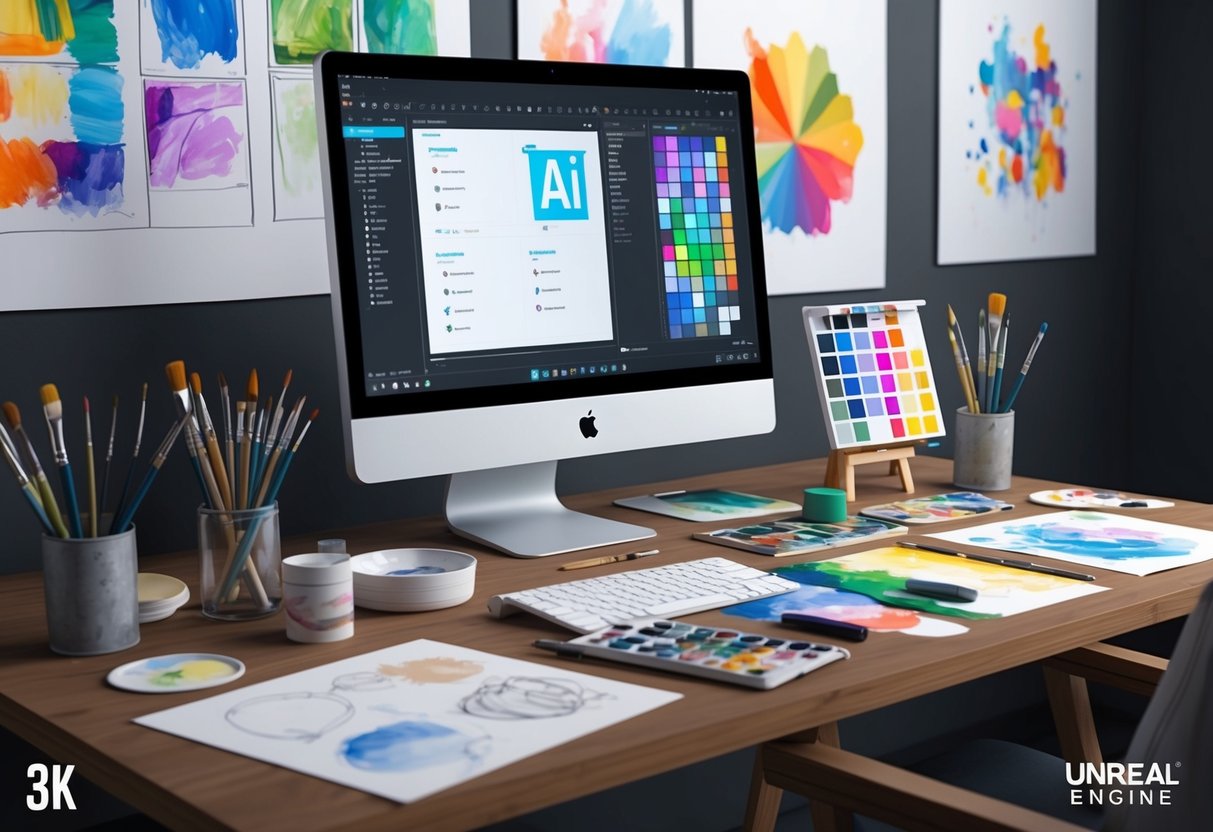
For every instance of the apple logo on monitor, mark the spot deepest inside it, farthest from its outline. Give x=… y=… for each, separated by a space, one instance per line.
x=587 y=425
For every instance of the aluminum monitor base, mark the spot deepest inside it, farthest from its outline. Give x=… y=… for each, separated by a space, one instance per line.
x=516 y=511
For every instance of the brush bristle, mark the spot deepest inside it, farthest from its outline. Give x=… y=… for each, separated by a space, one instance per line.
x=86 y=407
x=196 y=383
x=144 y=394
x=315 y=413
x=12 y=415
x=175 y=370
x=223 y=381
x=115 y=400
x=286 y=381
x=951 y=315
x=50 y=394
x=252 y=385
x=998 y=303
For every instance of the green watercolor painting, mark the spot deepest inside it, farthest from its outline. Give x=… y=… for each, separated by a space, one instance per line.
x=302 y=29
x=402 y=27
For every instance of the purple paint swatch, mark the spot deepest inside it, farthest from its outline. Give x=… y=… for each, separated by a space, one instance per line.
x=90 y=175
x=188 y=137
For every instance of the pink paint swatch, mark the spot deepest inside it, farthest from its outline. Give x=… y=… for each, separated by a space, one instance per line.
x=188 y=135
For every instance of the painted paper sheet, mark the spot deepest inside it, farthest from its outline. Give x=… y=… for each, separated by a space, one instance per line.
x=818 y=75
x=881 y=574
x=297 y=193
x=1016 y=130
x=417 y=27
x=192 y=37
x=640 y=32
x=1119 y=542
x=411 y=720
x=300 y=30
x=198 y=158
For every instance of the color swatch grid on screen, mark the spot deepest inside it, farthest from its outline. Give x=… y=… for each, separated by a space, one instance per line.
x=695 y=215
x=873 y=373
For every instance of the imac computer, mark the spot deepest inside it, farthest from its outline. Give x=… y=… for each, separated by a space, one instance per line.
x=537 y=261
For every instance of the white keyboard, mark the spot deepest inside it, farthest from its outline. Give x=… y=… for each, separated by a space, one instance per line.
x=662 y=591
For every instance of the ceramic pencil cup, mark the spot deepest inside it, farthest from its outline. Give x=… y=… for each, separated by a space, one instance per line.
x=91 y=590
x=240 y=555
x=984 y=447
x=318 y=591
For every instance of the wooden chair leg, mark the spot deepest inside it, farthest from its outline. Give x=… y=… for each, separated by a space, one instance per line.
x=1071 y=706
x=762 y=808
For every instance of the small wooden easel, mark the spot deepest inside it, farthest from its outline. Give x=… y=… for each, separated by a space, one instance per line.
x=840 y=469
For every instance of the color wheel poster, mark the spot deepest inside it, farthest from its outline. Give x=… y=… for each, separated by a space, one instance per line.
x=818 y=76
x=1017 y=115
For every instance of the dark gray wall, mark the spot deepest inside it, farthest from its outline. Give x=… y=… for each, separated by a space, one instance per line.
x=1173 y=293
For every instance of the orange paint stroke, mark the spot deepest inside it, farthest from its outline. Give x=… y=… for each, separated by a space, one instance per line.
x=767 y=91
x=6 y=98
x=25 y=174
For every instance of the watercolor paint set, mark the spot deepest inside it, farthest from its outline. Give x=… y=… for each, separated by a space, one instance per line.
x=781 y=538
x=721 y=654
x=937 y=508
x=873 y=373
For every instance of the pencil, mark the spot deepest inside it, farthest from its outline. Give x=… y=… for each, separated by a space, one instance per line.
x=1027 y=365
x=582 y=564
x=49 y=504
x=962 y=370
x=90 y=469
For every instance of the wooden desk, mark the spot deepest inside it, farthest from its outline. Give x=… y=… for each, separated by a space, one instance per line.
x=63 y=705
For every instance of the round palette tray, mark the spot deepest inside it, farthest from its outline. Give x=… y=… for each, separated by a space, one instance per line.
x=176 y=672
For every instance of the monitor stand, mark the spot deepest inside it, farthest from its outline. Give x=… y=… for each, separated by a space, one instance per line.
x=516 y=510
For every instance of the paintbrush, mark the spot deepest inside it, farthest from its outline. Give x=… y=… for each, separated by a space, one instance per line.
x=52 y=408
x=981 y=356
x=962 y=360
x=263 y=421
x=90 y=469
x=109 y=456
x=277 y=423
x=226 y=403
x=212 y=442
x=284 y=439
x=130 y=468
x=250 y=423
x=49 y=503
x=999 y=361
x=241 y=496
x=175 y=371
x=27 y=488
x=1027 y=365
x=997 y=302
x=122 y=522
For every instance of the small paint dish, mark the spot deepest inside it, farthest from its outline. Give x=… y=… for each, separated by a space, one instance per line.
x=413 y=580
x=160 y=596
x=176 y=672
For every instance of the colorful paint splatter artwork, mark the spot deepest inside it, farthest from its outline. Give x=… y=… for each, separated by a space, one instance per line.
x=806 y=140
x=190 y=30
x=400 y=27
x=881 y=574
x=302 y=29
x=1026 y=120
x=1116 y=542
x=640 y=32
x=82 y=31
x=189 y=134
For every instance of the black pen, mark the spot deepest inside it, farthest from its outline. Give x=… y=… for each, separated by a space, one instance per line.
x=825 y=626
x=560 y=648
x=1011 y=562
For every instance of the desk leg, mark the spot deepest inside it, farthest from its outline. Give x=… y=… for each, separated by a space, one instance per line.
x=762 y=810
x=1071 y=706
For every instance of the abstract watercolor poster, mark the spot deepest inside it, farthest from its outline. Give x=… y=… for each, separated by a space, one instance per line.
x=198 y=157
x=840 y=605
x=818 y=76
x=416 y=27
x=411 y=720
x=1118 y=542
x=302 y=29
x=192 y=37
x=296 y=157
x=1017 y=96
x=881 y=574
x=640 y=32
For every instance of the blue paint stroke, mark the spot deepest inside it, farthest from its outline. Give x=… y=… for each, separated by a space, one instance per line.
x=813 y=600
x=637 y=37
x=95 y=101
x=90 y=176
x=418 y=570
x=190 y=30
x=1103 y=542
x=404 y=746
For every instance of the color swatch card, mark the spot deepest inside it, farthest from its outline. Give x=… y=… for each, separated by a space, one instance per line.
x=881 y=574
x=695 y=218
x=708 y=504
x=1091 y=498
x=873 y=373
x=938 y=508
x=407 y=721
x=781 y=538
x=1119 y=542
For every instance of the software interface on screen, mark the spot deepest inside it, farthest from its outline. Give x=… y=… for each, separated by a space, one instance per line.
x=523 y=233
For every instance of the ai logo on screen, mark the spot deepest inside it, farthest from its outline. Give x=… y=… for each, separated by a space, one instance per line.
x=558 y=184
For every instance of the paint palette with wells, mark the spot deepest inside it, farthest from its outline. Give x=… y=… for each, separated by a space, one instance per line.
x=413 y=580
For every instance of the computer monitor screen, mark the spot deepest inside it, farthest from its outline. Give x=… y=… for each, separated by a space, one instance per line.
x=537 y=261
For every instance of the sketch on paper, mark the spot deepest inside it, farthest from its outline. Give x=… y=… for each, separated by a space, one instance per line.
x=192 y=37
x=441 y=712
x=296 y=158
x=198 y=157
x=641 y=32
x=818 y=84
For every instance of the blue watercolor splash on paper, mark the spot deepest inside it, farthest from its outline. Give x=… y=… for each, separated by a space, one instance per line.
x=403 y=746
x=1108 y=541
x=637 y=37
x=95 y=100
x=90 y=175
x=190 y=30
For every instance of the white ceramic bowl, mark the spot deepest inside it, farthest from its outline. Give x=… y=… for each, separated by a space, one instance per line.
x=396 y=569
x=411 y=594
x=388 y=605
